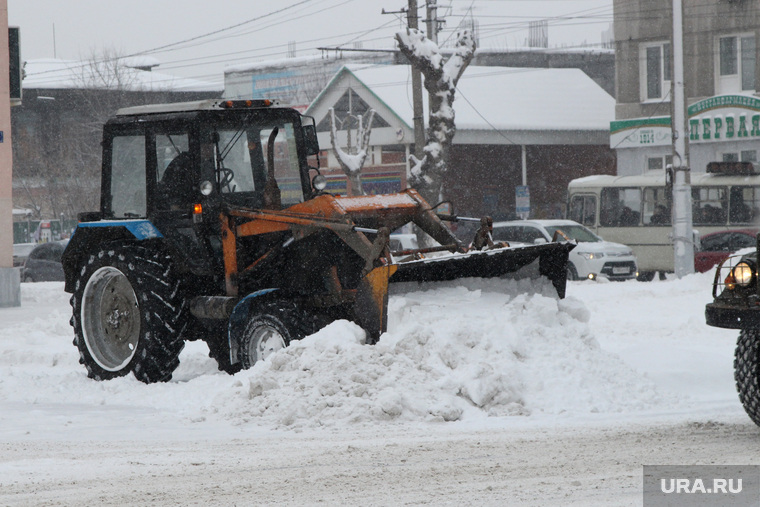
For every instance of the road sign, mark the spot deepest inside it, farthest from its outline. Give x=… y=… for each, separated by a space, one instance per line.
x=522 y=200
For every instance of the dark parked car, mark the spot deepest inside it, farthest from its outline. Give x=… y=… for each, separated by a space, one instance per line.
x=718 y=246
x=20 y=252
x=44 y=263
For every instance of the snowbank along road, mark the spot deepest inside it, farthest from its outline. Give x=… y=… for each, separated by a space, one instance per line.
x=496 y=394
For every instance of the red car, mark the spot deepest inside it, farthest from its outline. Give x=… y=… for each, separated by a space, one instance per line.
x=718 y=246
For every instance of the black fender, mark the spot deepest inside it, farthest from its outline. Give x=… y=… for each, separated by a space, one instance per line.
x=238 y=320
x=89 y=237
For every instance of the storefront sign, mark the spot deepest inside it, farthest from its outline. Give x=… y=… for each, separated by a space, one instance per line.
x=717 y=119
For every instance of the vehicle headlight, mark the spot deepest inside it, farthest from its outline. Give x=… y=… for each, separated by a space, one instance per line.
x=591 y=255
x=742 y=274
x=207 y=187
x=319 y=182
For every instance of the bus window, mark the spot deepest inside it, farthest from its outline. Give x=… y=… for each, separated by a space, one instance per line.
x=583 y=209
x=744 y=205
x=656 y=206
x=709 y=205
x=621 y=207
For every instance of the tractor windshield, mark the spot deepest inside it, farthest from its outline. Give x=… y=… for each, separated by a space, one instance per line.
x=242 y=163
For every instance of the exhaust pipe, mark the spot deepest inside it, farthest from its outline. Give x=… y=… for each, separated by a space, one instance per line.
x=212 y=307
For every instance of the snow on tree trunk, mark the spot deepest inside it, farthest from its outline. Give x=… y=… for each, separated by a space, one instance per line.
x=352 y=160
x=428 y=174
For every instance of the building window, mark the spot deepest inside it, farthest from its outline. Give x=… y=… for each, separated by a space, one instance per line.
x=655 y=73
x=730 y=157
x=743 y=156
x=736 y=64
x=659 y=163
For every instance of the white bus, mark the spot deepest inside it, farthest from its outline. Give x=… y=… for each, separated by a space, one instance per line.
x=636 y=210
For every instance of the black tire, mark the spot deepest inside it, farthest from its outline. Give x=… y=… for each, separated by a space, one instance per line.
x=572 y=273
x=219 y=351
x=127 y=312
x=747 y=372
x=272 y=326
x=645 y=276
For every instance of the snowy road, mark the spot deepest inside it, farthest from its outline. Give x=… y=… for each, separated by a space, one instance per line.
x=549 y=403
x=377 y=466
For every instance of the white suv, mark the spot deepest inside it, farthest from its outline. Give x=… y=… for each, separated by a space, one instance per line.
x=592 y=257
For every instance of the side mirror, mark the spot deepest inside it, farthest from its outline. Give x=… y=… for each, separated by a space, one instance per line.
x=310 y=139
x=539 y=241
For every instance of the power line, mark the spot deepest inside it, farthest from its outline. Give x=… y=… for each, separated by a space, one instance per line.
x=157 y=49
x=257 y=18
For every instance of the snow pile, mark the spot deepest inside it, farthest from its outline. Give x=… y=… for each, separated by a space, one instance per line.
x=469 y=351
x=453 y=353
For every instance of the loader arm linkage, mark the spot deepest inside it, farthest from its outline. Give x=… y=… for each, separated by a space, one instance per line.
x=341 y=215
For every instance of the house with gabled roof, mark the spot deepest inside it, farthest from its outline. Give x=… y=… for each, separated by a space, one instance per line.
x=516 y=127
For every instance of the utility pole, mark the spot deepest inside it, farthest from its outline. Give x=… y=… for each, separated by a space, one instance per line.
x=683 y=242
x=419 y=122
x=432 y=20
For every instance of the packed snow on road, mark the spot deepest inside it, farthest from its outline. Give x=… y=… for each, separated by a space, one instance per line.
x=481 y=392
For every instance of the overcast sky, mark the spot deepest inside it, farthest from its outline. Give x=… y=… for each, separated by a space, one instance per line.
x=198 y=38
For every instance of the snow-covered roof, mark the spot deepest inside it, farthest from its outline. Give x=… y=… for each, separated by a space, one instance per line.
x=499 y=100
x=552 y=50
x=273 y=63
x=50 y=73
x=506 y=98
x=141 y=62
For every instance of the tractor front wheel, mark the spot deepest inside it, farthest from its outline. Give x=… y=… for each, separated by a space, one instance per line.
x=272 y=326
x=127 y=313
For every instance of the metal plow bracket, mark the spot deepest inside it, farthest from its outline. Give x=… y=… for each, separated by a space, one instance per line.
x=552 y=264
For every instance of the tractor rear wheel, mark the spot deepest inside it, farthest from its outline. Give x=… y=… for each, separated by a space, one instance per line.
x=747 y=372
x=127 y=315
x=272 y=326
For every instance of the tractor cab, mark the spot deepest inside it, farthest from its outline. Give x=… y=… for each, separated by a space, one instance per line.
x=180 y=157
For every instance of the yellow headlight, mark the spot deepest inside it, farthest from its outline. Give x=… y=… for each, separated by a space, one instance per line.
x=742 y=274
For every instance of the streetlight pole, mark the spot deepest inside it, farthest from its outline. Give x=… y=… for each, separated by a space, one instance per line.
x=683 y=242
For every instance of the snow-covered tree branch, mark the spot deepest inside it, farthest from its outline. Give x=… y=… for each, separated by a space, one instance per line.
x=352 y=160
x=427 y=175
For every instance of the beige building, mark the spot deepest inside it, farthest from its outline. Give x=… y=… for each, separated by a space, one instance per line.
x=721 y=77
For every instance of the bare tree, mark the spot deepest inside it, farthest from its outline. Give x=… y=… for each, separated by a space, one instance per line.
x=428 y=174
x=352 y=159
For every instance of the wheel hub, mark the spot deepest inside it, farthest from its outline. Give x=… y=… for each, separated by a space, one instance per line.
x=110 y=318
x=266 y=340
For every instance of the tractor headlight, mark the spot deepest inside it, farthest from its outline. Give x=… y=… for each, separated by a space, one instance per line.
x=207 y=187
x=742 y=274
x=319 y=182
